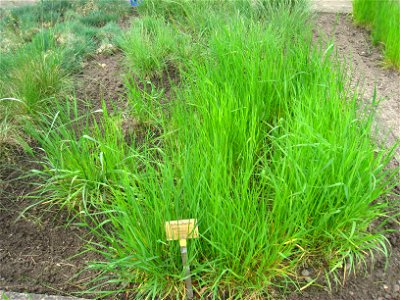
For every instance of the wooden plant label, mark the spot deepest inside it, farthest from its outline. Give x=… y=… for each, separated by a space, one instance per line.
x=181 y=229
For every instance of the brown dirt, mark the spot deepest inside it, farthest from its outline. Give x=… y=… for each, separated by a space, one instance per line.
x=101 y=79
x=381 y=279
x=36 y=250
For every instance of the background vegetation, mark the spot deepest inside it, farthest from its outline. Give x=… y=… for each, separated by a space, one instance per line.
x=41 y=47
x=382 y=18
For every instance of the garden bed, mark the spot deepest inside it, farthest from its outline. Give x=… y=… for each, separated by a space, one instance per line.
x=36 y=250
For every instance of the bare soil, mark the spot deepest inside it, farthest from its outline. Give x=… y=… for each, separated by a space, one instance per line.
x=332 y=6
x=36 y=249
x=354 y=46
x=101 y=80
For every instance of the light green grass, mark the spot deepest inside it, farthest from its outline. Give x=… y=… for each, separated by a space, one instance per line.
x=383 y=18
x=262 y=142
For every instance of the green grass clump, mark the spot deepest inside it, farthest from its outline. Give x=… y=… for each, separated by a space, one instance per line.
x=151 y=45
x=82 y=150
x=11 y=139
x=383 y=18
x=34 y=73
x=98 y=19
x=262 y=143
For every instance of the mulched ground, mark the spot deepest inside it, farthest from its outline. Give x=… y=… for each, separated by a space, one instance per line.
x=37 y=253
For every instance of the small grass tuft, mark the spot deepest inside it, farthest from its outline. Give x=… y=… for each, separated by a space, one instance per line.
x=152 y=44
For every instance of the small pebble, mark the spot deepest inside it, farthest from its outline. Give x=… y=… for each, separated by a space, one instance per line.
x=385 y=286
x=308 y=279
x=305 y=273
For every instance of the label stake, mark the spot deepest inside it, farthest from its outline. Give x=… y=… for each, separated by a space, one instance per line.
x=182 y=230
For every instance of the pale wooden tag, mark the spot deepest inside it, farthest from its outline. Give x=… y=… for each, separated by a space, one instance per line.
x=181 y=229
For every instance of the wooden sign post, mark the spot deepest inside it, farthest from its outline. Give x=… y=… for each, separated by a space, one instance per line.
x=182 y=230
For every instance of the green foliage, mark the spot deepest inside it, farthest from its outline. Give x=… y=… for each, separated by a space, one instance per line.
x=83 y=153
x=110 y=33
x=98 y=19
x=100 y=13
x=151 y=45
x=10 y=137
x=262 y=143
x=198 y=15
x=43 y=44
x=19 y=25
x=51 y=11
x=383 y=17
x=38 y=78
x=34 y=73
